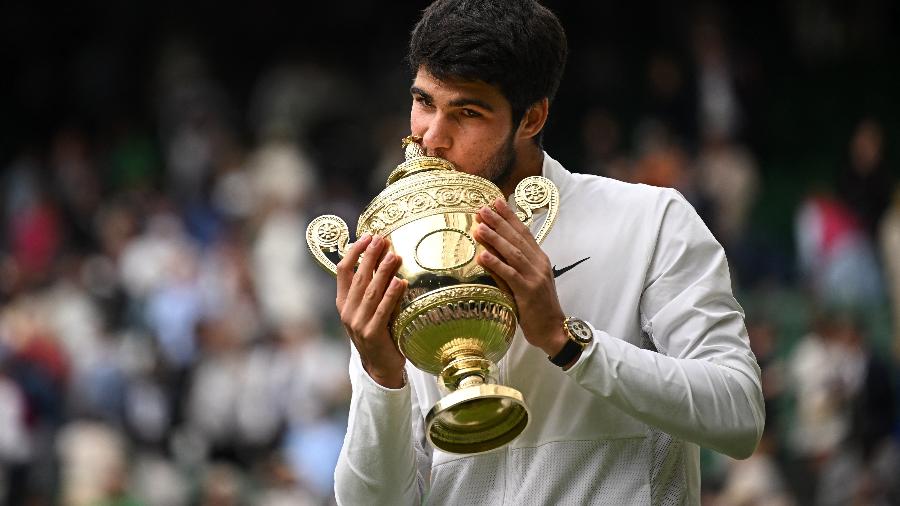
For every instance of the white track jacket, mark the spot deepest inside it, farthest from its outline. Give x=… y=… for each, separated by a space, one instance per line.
x=670 y=369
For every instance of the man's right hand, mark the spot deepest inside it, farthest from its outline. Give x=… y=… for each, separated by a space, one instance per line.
x=366 y=300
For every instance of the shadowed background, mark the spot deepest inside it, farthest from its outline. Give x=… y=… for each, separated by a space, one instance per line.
x=166 y=339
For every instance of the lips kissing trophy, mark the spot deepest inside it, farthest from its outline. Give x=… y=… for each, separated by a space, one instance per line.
x=455 y=320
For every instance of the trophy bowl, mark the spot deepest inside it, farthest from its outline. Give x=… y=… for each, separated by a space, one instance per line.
x=455 y=320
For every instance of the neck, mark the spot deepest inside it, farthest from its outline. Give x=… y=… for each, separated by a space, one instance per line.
x=529 y=162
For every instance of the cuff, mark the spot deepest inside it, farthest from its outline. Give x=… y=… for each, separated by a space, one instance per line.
x=585 y=353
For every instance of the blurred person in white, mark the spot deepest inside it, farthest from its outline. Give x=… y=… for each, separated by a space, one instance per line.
x=280 y=486
x=290 y=97
x=889 y=236
x=617 y=420
x=719 y=110
x=728 y=176
x=283 y=178
x=822 y=417
x=862 y=467
x=309 y=371
x=243 y=398
x=15 y=444
x=757 y=481
x=194 y=117
x=845 y=414
x=156 y=481
x=93 y=464
x=215 y=385
x=36 y=361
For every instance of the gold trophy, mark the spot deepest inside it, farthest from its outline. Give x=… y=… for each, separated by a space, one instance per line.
x=456 y=320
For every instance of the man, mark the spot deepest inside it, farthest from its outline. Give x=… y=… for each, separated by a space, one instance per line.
x=617 y=420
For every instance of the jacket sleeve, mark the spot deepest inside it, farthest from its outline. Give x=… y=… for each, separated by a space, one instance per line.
x=702 y=384
x=385 y=458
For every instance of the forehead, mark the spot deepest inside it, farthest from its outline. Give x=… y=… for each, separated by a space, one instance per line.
x=456 y=90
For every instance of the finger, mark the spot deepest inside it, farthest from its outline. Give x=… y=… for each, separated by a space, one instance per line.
x=506 y=212
x=375 y=291
x=367 y=266
x=392 y=296
x=519 y=237
x=346 y=265
x=510 y=253
x=474 y=233
x=501 y=269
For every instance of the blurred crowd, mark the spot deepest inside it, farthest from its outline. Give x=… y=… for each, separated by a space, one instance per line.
x=166 y=338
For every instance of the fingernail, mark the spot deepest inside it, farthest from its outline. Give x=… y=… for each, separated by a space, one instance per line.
x=376 y=239
x=389 y=257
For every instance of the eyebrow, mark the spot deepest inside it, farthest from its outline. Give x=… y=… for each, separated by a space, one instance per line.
x=459 y=102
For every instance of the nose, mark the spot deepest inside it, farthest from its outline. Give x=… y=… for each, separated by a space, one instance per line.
x=437 y=138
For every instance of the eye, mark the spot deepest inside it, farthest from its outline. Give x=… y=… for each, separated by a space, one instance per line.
x=423 y=101
x=469 y=113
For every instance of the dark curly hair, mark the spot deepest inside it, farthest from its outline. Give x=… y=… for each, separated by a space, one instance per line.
x=517 y=45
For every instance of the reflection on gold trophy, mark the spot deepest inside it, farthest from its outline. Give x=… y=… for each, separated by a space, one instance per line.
x=455 y=320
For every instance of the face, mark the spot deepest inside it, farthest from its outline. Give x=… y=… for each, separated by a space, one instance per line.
x=467 y=123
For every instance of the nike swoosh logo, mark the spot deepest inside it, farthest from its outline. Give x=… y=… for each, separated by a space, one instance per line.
x=559 y=272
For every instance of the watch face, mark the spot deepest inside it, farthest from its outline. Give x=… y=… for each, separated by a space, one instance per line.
x=579 y=330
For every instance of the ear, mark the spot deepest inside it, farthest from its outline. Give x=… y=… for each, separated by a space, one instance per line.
x=534 y=119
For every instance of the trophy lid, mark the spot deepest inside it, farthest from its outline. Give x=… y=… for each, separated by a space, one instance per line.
x=416 y=160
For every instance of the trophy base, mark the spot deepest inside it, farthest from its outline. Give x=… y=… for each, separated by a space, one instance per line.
x=477 y=419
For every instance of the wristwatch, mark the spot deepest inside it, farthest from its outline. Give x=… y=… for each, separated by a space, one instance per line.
x=579 y=334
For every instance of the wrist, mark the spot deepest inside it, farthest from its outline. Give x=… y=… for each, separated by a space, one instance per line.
x=556 y=342
x=388 y=379
x=578 y=335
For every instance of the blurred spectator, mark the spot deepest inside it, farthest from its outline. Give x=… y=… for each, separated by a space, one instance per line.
x=93 y=465
x=719 y=110
x=857 y=470
x=835 y=255
x=727 y=176
x=865 y=185
x=166 y=340
x=822 y=412
x=15 y=444
x=671 y=98
x=890 y=254
x=757 y=481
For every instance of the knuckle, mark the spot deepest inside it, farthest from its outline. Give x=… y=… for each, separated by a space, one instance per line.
x=358 y=328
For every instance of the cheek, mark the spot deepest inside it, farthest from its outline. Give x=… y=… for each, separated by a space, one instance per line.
x=417 y=121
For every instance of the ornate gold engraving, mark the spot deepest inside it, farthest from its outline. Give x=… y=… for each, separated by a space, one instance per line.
x=453 y=321
x=327 y=234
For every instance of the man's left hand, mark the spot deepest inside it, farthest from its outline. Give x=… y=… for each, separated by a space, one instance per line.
x=515 y=257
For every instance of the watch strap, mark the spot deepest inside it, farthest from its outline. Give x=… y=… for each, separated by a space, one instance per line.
x=569 y=351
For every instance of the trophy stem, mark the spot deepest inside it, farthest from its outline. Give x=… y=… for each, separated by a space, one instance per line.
x=471 y=381
x=467 y=369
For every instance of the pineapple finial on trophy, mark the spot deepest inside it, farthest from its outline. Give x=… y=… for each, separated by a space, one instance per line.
x=412 y=146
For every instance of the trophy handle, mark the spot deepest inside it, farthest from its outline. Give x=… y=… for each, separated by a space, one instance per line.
x=533 y=193
x=327 y=234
